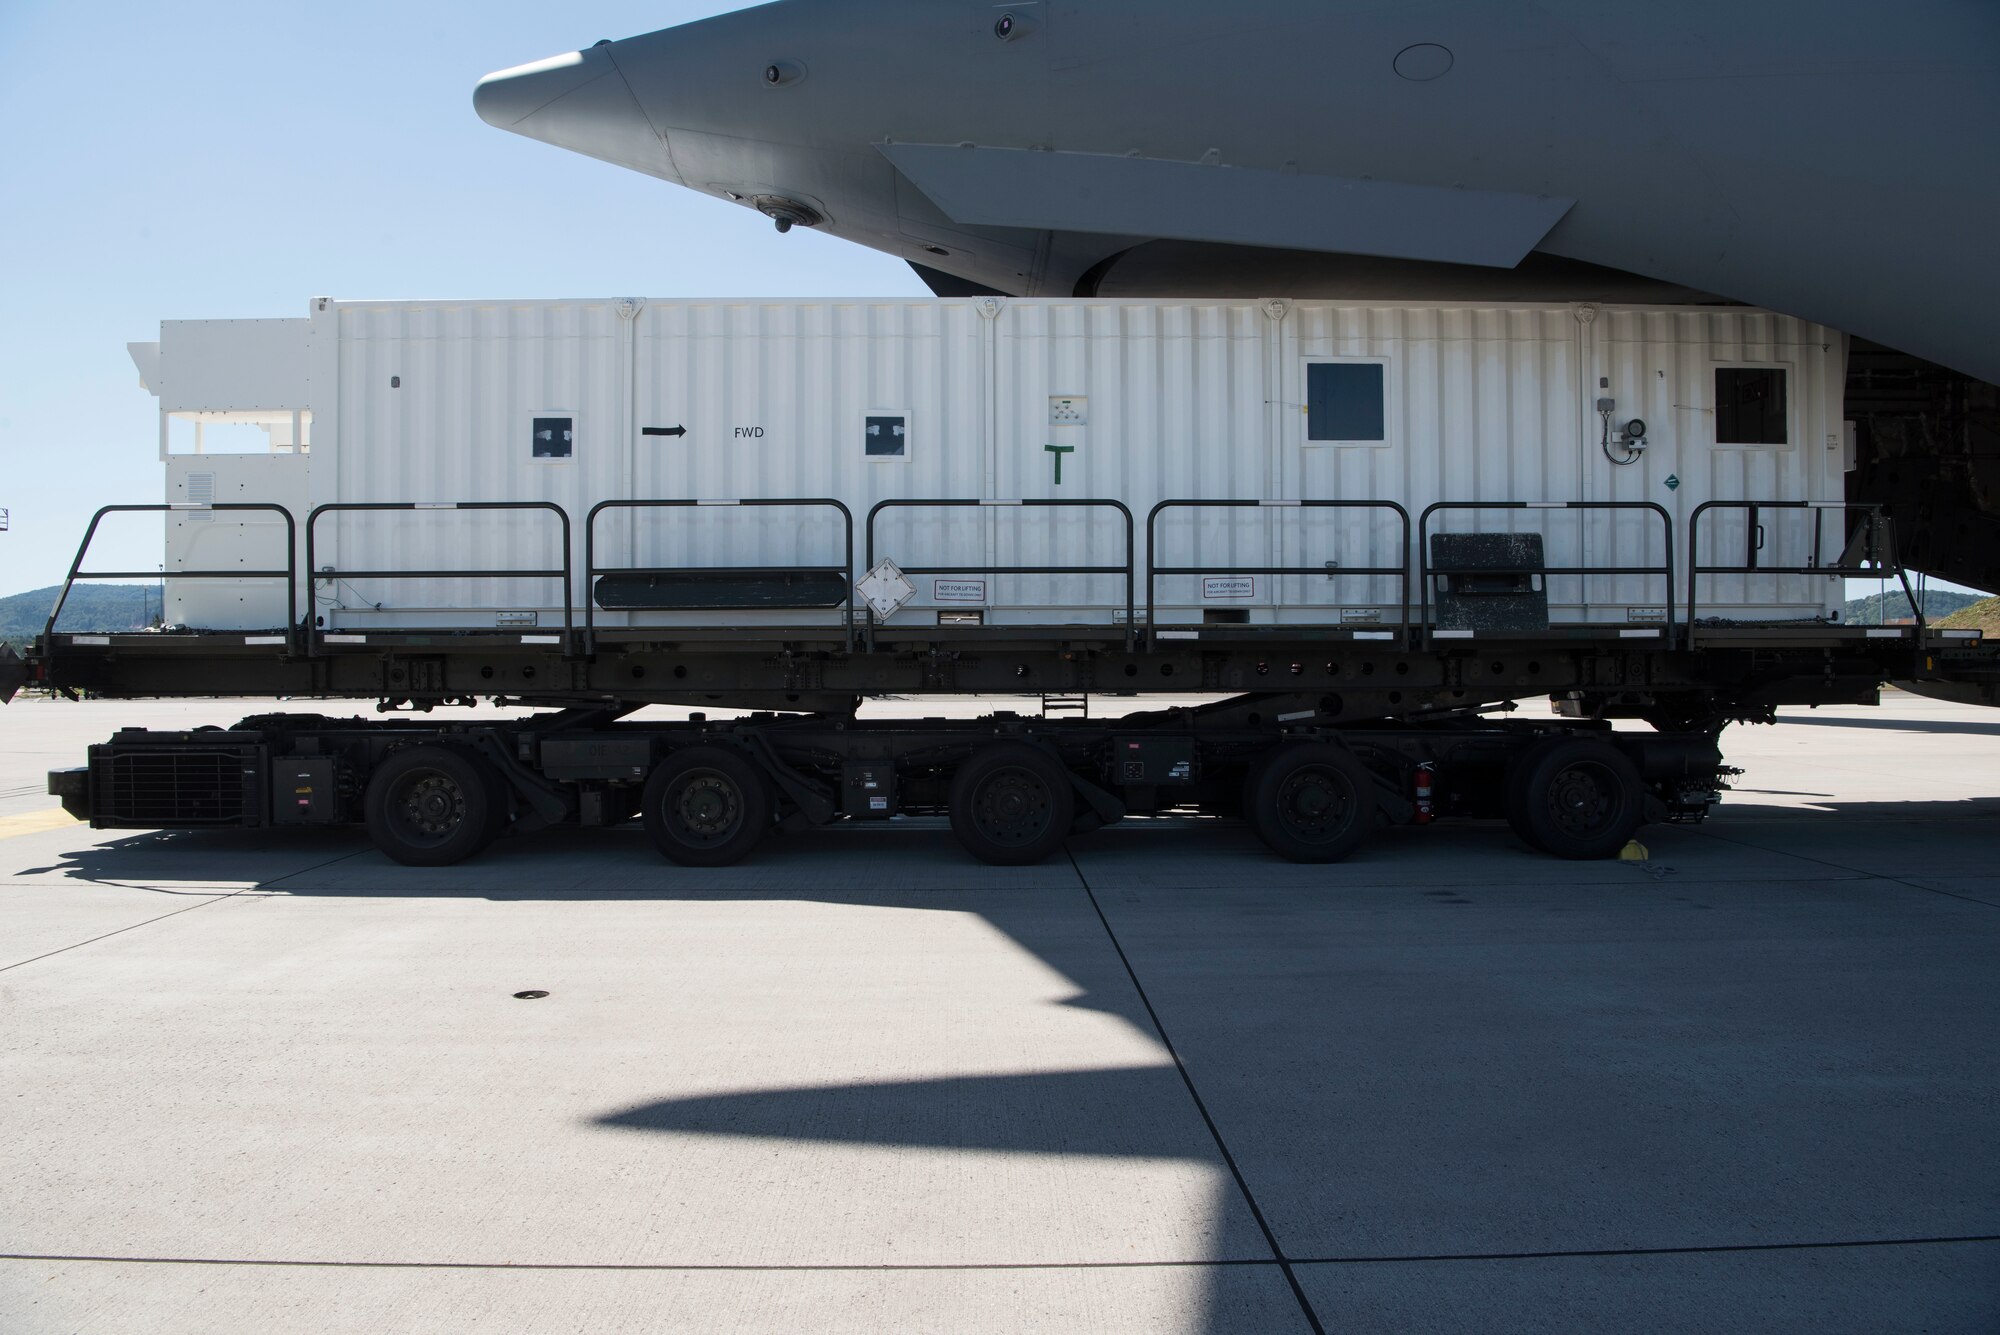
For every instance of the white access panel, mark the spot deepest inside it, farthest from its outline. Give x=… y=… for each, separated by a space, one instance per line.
x=201 y=539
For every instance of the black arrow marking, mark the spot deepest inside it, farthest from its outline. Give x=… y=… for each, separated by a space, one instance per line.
x=663 y=431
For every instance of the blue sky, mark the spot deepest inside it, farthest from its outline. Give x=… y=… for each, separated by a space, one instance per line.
x=231 y=160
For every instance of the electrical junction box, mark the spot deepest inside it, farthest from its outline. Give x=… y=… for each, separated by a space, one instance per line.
x=302 y=791
x=581 y=758
x=868 y=789
x=1153 y=760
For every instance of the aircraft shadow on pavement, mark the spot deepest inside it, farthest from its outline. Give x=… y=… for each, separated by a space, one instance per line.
x=1134 y=1114
x=1961 y=727
x=1739 y=806
x=1141 y=1115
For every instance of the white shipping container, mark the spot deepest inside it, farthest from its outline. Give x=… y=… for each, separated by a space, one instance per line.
x=577 y=403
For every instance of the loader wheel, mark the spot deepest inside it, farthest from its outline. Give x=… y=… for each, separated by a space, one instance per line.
x=706 y=806
x=1311 y=802
x=1575 y=797
x=1011 y=804
x=433 y=805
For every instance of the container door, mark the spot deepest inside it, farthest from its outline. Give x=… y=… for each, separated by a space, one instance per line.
x=1735 y=409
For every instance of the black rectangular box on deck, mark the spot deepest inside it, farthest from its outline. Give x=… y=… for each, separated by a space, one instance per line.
x=731 y=589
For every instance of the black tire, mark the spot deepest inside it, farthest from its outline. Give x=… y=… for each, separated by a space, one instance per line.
x=1311 y=802
x=1515 y=799
x=706 y=806
x=431 y=805
x=1576 y=797
x=1011 y=804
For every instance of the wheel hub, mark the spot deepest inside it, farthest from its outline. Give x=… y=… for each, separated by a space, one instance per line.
x=707 y=807
x=1012 y=807
x=1310 y=804
x=1578 y=800
x=433 y=806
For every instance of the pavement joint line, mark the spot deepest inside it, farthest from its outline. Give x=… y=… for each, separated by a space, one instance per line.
x=63 y=950
x=1871 y=875
x=664 y=1267
x=233 y=894
x=317 y=866
x=919 y=1267
x=1214 y=1131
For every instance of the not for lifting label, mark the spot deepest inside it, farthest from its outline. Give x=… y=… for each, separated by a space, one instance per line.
x=1215 y=587
x=958 y=590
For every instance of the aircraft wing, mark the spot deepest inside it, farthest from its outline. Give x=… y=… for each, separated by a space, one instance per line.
x=1187 y=201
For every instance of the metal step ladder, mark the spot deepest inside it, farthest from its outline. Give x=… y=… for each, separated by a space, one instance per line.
x=1055 y=705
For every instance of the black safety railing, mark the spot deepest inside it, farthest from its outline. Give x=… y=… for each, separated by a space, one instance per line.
x=330 y=574
x=1128 y=570
x=1427 y=573
x=290 y=574
x=591 y=570
x=1864 y=549
x=1865 y=545
x=1156 y=572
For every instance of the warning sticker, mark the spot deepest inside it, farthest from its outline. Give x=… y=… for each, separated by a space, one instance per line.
x=958 y=590
x=1228 y=586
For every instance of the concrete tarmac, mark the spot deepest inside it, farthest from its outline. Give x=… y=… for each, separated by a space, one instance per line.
x=1161 y=1083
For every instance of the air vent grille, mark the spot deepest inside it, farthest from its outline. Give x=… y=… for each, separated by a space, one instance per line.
x=200 y=490
x=169 y=788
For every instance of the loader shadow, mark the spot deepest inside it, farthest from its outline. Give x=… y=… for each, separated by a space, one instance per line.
x=920 y=858
x=195 y=861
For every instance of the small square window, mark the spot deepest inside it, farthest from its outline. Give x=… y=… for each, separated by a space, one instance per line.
x=554 y=437
x=887 y=437
x=1344 y=401
x=1750 y=405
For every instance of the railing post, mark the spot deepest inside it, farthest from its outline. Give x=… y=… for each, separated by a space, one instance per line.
x=289 y=574
x=49 y=630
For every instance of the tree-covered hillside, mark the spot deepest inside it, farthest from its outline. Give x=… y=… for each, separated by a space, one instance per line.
x=1872 y=610
x=1981 y=615
x=90 y=607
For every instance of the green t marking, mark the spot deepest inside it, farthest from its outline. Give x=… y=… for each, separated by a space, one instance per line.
x=1059 y=451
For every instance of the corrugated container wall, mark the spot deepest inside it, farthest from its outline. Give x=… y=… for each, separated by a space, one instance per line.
x=578 y=403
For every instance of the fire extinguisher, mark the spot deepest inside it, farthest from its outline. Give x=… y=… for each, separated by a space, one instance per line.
x=1424 y=787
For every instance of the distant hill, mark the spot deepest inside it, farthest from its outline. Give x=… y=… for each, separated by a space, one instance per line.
x=1870 y=611
x=1983 y=614
x=90 y=607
